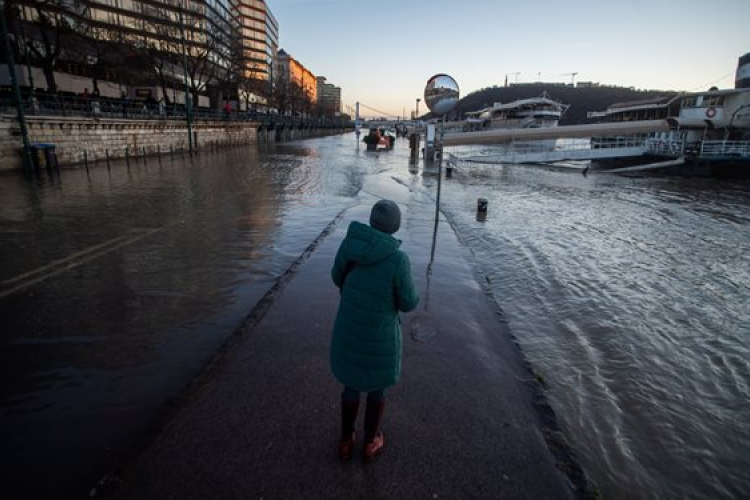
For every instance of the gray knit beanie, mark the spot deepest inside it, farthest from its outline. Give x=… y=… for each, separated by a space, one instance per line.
x=385 y=216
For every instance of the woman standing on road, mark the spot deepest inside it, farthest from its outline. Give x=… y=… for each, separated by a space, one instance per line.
x=374 y=278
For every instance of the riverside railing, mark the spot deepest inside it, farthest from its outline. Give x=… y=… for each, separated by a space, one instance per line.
x=107 y=107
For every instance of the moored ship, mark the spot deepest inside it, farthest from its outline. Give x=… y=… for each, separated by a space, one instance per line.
x=534 y=112
x=709 y=131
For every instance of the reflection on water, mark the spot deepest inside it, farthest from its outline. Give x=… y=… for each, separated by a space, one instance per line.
x=117 y=286
x=630 y=295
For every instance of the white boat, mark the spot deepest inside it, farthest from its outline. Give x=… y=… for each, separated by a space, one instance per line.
x=709 y=131
x=535 y=112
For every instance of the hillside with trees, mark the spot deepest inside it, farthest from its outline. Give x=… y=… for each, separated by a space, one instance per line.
x=581 y=99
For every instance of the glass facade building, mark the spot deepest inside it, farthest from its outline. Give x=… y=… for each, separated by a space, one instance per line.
x=243 y=33
x=259 y=38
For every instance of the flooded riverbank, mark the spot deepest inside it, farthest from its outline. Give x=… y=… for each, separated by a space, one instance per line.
x=628 y=295
x=118 y=287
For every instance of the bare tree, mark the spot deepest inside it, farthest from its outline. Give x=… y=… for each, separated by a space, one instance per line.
x=160 y=43
x=51 y=27
x=280 y=97
x=230 y=74
x=253 y=82
x=95 y=44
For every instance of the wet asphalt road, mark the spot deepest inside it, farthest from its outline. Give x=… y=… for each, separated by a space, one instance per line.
x=464 y=422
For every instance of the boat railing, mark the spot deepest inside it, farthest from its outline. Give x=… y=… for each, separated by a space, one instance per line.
x=631 y=141
x=728 y=149
x=661 y=147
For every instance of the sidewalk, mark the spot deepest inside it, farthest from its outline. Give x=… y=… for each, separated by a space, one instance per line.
x=464 y=421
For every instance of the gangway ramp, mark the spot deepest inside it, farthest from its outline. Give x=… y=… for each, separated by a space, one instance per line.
x=500 y=136
x=525 y=155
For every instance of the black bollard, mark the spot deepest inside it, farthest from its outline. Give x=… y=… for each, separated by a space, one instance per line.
x=106 y=152
x=482 y=205
x=482 y=209
x=158 y=152
x=171 y=152
x=145 y=160
x=127 y=156
x=86 y=160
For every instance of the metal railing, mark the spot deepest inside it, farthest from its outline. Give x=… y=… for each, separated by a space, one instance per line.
x=107 y=107
x=702 y=149
x=671 y=148
x=725 y=149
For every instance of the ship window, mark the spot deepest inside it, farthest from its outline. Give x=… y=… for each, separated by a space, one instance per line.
x=714 y=100
x=709 y=101
x=688 y=103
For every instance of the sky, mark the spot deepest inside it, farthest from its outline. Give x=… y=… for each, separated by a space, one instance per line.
x=381 y=53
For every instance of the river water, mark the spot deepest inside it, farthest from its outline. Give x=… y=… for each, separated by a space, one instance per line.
x=631 y=297
x=628 y=295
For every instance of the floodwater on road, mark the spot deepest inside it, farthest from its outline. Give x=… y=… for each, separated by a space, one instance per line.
x=118 y=286
x=628 y=295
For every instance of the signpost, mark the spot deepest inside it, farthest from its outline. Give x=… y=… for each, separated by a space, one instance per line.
x=441 y=96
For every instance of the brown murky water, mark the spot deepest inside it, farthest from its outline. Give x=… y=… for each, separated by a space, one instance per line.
x=629 y=296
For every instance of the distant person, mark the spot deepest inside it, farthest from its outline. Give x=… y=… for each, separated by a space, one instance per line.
x=125 y=103
x=151 y=104
x=372 y=139
x=375 y=283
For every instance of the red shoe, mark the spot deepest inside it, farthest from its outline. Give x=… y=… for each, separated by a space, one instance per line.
x=345 y=447
x=374 y=447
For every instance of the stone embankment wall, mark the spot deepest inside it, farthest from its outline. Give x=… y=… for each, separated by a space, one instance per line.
x=116 y=137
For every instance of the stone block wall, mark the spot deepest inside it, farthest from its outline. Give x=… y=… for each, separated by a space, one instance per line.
x=116 y=137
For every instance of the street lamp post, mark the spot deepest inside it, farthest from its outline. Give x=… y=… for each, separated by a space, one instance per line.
x=188 y=100
x=28 y=166
x=32 y=97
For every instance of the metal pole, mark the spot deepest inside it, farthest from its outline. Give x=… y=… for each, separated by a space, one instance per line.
x=188 y=99
x=27 y=164
x=32 y=97
x=356 y=121
x=440 y=173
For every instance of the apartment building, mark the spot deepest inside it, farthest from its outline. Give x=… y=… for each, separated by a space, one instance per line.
x=217 y=36
x=259 y=35
x=294 y=72
x=329 y=96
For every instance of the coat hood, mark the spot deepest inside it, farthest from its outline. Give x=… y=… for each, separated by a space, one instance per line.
x=366 y=245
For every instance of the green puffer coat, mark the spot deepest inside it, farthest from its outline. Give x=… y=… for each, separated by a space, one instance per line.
x=366 y=341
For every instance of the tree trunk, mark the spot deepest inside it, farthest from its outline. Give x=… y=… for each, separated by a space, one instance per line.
x=164 y=94
x=49 y=75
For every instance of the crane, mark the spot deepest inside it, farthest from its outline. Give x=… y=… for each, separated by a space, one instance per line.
x=572 y=76
x=511 y=74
